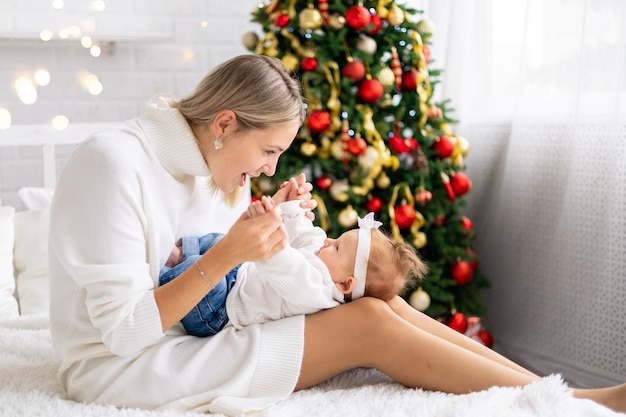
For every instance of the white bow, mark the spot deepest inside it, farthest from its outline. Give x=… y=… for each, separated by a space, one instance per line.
x=366 y=224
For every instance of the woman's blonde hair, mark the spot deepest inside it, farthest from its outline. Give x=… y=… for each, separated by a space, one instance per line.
x=258 y=89
x=391 y=265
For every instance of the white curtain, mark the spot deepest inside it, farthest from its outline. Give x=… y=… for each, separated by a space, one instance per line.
x=539 y=87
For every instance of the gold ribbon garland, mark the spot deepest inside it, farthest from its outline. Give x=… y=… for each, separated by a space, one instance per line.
x=333 y=75
x=323 y=213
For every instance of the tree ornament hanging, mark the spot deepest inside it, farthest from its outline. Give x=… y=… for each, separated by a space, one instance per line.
x=462 y=144
x=404 y=214
x=402 y=145
x=281 y=20
x=323 y=7
x=458 y=322
x=423 y=196
x=395 y=15
x=348 y=217
x=444 y=146
x=309 y=64
x=461 y=183
x=396 y=67
x=324 y=182
x=420 y=162
x=374 y=204
x=357 y=146
x=485 y=337
x=383 y=181
x=250 y=40
x=310 y=18
x=462 y=272
x=290 y=61
x=467 y=225
x=376 y=24
x=336 y=21
x=308 y=149
x=367 y=44
x=446 y=185
x=419 y=299
x=353 y=69
x=425 y=28
x=358 y=17
x=318 y=121
x=386 y=77
x=370 y=90
x=434 y=112
x=339 y=190
x=473 y=258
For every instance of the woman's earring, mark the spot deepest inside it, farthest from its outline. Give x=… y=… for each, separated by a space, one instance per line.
x=218 y=144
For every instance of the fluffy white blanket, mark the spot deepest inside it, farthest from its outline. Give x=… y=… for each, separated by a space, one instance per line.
x=29 y=388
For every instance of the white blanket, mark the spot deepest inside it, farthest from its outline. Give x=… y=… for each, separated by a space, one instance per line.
x=29 y=388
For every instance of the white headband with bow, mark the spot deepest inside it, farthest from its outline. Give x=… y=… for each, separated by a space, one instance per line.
x=366 y=225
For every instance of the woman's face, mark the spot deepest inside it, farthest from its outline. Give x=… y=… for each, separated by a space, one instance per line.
x=250 y=153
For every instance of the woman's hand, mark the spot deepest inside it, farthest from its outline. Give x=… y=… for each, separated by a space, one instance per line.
x=297 y=189
x=257 y=237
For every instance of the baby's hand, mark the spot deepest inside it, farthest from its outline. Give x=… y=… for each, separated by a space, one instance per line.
x=297 y=189
x=261 y=206
x=175 y=257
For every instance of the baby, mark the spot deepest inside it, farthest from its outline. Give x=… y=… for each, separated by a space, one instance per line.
x=312 y=273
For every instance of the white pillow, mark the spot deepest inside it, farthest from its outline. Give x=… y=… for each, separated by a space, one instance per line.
x=30 y=256
x=35 y=197
x=8 y=303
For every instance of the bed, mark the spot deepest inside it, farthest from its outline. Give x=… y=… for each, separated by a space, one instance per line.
x=28 y=382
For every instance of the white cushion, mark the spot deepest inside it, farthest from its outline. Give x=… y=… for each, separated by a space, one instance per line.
x=35 y=197
x=8 y=303
x=30 y=256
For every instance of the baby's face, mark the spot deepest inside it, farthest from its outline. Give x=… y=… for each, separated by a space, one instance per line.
x=339 y=254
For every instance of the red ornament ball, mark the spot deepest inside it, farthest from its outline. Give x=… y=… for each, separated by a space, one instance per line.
x=319 y=121
x=462 y=272
x=444 y=146
x=354 y=70
x=460 y=183
x=485 y=337
x=281 y=20
x=467 y=224
x=374 y=204
x=324 y=182
x=458 y=322
x=409 y=80
x=309 y=64
x=376 y=24
x=370 y=90
x=473 y=258
x=400 y=145
x=357 y=146
x=358 y=17
x=405 y=214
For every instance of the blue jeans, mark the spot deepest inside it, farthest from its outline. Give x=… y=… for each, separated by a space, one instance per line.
x=209 y=316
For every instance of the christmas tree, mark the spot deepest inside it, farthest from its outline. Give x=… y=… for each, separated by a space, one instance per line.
x=374 y=140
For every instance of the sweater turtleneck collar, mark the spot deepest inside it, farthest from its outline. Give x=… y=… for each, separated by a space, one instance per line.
x=172 y=139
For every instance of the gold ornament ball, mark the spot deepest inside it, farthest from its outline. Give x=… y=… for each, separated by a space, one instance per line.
x=308 y=149
x=291 y=62
x=265 y=185
x=336 y=150
x=336 y=21
x=348 y=217
x=395 y=16
x=383 y=181
x=419 y=299
x=367 y=44
x=386 y=77
x=463 y=145
x=369 y=158
x=249 y=40
x=310 y=19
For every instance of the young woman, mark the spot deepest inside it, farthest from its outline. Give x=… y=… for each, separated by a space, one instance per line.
x=125 y=195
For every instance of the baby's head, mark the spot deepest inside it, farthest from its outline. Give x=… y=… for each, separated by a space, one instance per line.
x=365 y=261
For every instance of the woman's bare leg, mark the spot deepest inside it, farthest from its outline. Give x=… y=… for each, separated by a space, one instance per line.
x=368 y=333
x=436 y=328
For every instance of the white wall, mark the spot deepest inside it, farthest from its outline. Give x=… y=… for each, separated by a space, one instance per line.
x=150 y=46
